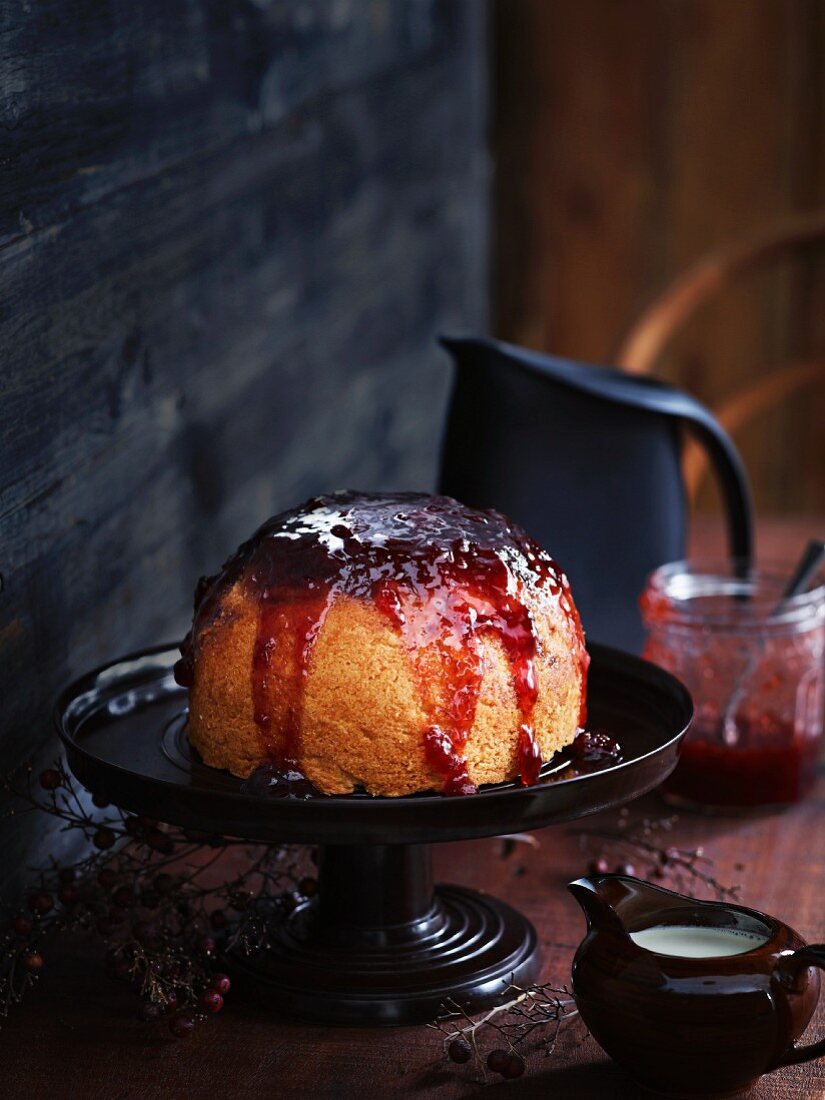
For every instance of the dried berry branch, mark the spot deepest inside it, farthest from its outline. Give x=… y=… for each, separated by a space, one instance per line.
x=643 y=849
x=534 y=1009
x=164 y=901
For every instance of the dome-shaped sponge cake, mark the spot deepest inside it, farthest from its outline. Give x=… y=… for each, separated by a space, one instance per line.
x=397 y=643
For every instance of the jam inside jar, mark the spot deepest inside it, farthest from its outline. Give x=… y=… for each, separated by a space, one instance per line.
x=754 y=666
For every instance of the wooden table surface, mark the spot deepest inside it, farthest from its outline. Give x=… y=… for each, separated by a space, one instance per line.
x=76 y=1034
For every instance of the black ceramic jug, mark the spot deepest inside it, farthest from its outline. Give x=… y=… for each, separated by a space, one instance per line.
x=588 y=460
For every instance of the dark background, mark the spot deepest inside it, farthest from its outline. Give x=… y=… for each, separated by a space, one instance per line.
x=631 y=140
x=230 y=232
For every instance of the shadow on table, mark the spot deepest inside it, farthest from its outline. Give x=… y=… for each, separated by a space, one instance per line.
x=590 y=1081
x=593 y=1081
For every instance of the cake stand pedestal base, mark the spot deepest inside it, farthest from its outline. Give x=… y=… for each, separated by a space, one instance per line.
x=380 y=945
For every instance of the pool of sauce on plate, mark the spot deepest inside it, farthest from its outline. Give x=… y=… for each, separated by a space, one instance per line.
x=442 y=574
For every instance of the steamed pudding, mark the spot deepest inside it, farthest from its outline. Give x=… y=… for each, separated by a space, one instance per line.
x=395 y=642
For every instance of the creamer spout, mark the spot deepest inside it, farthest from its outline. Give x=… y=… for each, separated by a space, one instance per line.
x=621 y=901
x=593 y=898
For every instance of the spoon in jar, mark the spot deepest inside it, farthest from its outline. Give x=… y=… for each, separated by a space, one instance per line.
x=806 y=569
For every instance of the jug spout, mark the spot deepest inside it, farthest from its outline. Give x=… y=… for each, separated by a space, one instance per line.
x=595 y=903
x=621 y=902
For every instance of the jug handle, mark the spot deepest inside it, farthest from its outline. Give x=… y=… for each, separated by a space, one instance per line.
x=788 y=972
x=725 y=459
x=661 y=397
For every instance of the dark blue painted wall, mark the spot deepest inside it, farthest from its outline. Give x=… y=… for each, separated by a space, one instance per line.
x=230 y=230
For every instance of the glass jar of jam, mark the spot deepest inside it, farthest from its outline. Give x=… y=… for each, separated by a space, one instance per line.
x=754 y=665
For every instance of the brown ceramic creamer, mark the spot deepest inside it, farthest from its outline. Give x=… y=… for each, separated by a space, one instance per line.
x=693 y=998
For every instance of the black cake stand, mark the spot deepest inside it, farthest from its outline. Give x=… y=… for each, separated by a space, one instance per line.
x=379 y=944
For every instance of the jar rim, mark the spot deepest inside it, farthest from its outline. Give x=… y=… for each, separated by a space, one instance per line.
x=750 y=595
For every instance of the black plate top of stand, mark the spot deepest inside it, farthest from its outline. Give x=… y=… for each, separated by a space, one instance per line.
x=123 y=727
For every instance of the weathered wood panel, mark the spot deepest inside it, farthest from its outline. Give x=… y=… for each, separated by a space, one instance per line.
x=229 y=233
x=630 y=140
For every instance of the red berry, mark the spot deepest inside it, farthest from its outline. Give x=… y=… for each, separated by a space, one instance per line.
x=21 y=925
x=497 y=1060
x=308 y=887
x=211 y=1001
x=150 y=1011
x=599 y=866
x=514 y=1067
x=41 y=902
x=123 y=897
x=33 y=962
x=68 y=894
x=50 y=779
x=122 y=953
x=104 y=838
x=99 y=801
x=106 y=877
x=206 y=945
x=222 y=983
x=172 y=1000
x=626 y=869
x=160 y=842
x=181 y=1026
x=66 y=874
x=460 y=1051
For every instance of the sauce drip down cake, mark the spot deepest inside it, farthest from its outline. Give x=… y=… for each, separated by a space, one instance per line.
x=396 y=643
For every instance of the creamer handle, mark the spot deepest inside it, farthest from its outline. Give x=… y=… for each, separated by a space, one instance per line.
x=789 y=973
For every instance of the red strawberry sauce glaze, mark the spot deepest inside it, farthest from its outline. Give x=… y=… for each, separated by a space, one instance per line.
x=444 y=575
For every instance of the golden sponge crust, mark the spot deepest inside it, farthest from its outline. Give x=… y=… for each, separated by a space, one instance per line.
x=362 y=718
